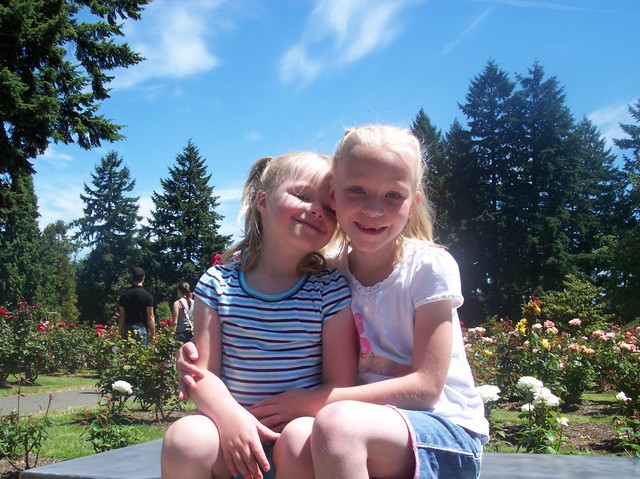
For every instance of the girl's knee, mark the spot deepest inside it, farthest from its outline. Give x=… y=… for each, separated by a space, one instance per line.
x=292 y=450
x=335 y=423
x=191 y=448
x=190 y=436
x=338 y=415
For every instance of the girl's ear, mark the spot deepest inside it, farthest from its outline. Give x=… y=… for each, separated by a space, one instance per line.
x=332 y=195
x=417 y=198
x=261 y=201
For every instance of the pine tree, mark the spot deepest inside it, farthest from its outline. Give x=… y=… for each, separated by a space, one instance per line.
x=59 y=288
x=624 y=282
x=20 y=262
x=437 y=170
x=184 y=223
x=533 y=197
x=482 y=176
x=597 y=207
x=632 y=160
x=543 y=184
x=46 y=95
x=109 y=228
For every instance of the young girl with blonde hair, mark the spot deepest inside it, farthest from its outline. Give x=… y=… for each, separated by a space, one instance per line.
x=271 y=319
x=414 y=412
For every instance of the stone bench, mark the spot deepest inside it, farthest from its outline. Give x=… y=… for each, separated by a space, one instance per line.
x=142 y=461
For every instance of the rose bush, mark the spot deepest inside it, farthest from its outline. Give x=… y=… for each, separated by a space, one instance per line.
x=568 y=360
x=149 y=370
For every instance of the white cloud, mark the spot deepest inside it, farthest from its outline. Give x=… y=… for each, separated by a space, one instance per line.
x=55 y=158
x=341 y=32
x=58 y=200
x=608 y=120
x=566 y=5
x=254 y=136
x=473 y=26
x=229 y=207
x=174 y=39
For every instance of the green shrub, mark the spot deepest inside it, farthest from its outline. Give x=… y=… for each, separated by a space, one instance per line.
x=579 y=298
x=150 y=370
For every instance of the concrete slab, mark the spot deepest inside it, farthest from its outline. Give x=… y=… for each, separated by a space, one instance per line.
x=142 y=461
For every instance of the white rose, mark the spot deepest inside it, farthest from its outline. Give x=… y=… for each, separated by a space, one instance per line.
x=529 y=383
x=122 y=387
x=622 y=397
x=488 y=393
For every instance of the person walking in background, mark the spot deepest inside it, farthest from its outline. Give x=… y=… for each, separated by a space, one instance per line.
x=183 y=313
x=136 y=317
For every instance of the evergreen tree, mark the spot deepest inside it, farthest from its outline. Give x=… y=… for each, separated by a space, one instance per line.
x=624 y=283
x=482 y=173
x=109 y=228
x=59 y=288
x=20 y=262
x=184 y=223
x=531 y=196
x=437 y=170
x=542 y=184
x=632 y=160
x=597 y=207
x=45 y=95
x=463 y=210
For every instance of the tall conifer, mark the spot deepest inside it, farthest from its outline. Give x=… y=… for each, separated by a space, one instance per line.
x=109 y=229
x=184 y=224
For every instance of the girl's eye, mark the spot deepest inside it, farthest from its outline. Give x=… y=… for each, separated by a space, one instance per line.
x=357 y=189
x=301 y=196
x=394 y=195
x=330 y=211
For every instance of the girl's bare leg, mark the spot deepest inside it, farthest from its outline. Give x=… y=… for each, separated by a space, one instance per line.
x=191 y=448
x=292 y=452
x=356 y=440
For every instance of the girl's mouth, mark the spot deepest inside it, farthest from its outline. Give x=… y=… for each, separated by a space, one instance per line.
x=310 y=225
x=369 y=229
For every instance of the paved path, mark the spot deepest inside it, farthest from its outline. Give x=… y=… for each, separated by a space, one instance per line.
x=32 y=403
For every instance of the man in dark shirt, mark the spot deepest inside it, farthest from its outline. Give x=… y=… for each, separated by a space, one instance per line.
x=136 y=310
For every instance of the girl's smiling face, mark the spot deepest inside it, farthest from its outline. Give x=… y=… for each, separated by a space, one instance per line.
x=374 y=196
x=298 y=213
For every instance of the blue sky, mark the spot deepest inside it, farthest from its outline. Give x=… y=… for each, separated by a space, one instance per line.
x=248 y=78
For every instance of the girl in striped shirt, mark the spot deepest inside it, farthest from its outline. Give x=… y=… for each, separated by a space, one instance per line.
x=272 y=318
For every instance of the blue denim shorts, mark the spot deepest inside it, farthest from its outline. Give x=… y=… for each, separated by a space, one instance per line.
x=138 y=332
x=268 y=450
x=442 y=448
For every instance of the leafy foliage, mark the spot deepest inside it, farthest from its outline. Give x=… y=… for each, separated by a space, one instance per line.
x=529 y=195
x=150 y=370
x=22 y=436
x=53 y=66
x=109 y=227
x=184 y=224
x=20 y=267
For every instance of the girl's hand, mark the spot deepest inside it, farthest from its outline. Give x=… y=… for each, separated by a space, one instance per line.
x=277 y=411
x=188 y=373
x=240 y=441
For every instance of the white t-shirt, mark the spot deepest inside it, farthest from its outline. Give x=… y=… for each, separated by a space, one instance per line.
x=384 y=315
x=185 y=315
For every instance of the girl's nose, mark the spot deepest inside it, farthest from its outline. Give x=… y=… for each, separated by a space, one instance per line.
x=317 y=209
x=372 y=206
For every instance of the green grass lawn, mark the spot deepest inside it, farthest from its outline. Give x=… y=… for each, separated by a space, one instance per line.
x=68 y=437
